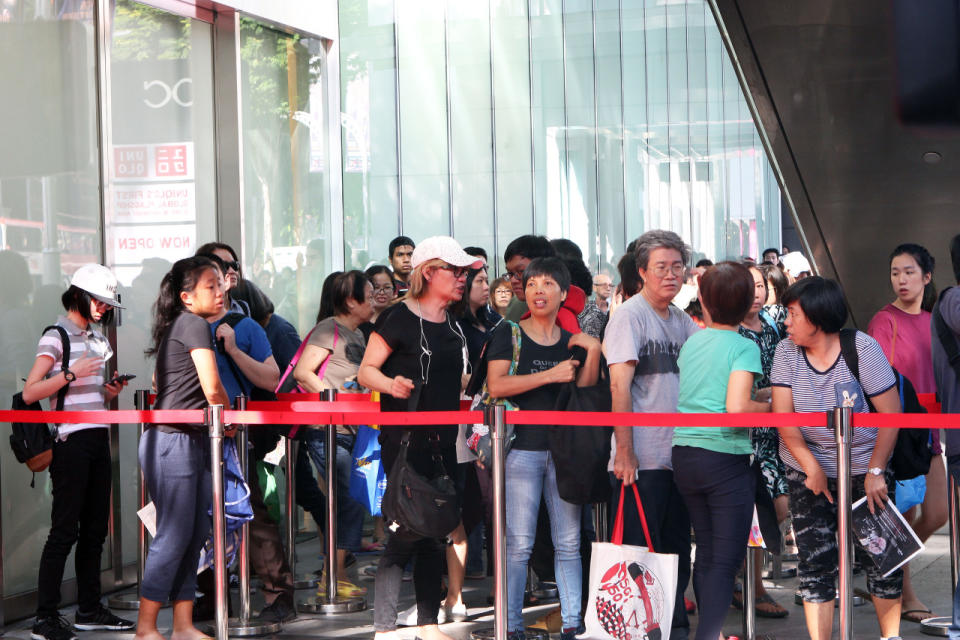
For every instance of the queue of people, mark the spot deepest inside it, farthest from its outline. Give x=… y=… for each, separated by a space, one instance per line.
x=750 y=338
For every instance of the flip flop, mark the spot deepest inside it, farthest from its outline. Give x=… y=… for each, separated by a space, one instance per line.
x=916 y=615
x=776 y=611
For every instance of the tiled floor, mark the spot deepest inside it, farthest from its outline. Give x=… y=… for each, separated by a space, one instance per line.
x=931 y=578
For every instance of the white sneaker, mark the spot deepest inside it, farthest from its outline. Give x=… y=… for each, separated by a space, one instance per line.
x=456 y=613
x=408 y=617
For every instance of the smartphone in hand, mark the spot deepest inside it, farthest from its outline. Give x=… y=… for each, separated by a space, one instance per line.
x=124 y=378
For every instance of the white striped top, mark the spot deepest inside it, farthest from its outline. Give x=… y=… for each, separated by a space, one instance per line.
x=83 y=394
x=818 y=391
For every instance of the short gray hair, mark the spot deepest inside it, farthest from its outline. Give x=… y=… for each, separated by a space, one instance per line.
x=658 y=239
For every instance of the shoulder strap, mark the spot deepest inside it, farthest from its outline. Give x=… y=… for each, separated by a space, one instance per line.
x=848 y=349
x=294 y=360
x=64 y=359
x=516 y=340
x=947 y=339
x=766 y=317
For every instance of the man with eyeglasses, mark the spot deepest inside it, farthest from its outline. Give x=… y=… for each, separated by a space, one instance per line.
x=641 y=343
x=401 y=261
x=517 y=256
x=593 y=318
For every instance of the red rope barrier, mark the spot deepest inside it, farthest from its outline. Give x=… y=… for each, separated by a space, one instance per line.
x=351 y=413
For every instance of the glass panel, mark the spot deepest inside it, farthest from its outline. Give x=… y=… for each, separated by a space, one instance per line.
x=549 y=139
x=163 y=202
x=610 y=135
x=423 y=119
x=471 y=162
x=636 y=132
x=49 y=225
x=287 y=221
x=371 y=206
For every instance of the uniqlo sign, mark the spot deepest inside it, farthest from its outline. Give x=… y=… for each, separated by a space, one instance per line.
x=153 y=162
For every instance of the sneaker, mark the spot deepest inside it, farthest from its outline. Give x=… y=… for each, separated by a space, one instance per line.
x=570 y=633
x=280 y=611
x=517 y=635
x=52 y=628
x=101 y=620
x=408 y=617
x=456 y=613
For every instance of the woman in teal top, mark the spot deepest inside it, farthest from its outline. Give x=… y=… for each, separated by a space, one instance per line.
x=711 y=465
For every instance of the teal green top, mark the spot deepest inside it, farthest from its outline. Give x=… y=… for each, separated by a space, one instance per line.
x=706 y=361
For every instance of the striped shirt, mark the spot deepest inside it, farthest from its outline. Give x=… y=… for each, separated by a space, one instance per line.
x=819 y=391
x=83 y=394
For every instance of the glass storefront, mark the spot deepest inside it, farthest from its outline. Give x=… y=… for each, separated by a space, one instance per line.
x=592 y=120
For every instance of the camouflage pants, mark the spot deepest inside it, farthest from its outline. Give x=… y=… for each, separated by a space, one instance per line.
x=815 y=524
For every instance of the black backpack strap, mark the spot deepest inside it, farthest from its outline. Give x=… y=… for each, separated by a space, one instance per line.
x=64 y=359
x=947 y=338
x=848 y=349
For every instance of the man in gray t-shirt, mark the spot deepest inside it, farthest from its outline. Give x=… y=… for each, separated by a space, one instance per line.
x=641 y=343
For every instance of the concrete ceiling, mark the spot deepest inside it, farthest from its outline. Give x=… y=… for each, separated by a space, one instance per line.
x=822 y=79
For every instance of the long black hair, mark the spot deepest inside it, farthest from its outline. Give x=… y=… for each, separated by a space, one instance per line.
x=183 y=276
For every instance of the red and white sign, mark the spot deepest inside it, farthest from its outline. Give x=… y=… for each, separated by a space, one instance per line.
x=153 y=162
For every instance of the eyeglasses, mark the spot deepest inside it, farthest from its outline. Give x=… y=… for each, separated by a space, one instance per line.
x=503 y=290
x=458 y=272
x=385 y=289
x=661 y=270
x=513 y=275
x=229 y=264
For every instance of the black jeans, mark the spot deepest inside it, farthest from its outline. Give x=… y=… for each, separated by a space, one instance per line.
x=80 y=476
x=427 y=553
x=669 y=525
x=718 y=489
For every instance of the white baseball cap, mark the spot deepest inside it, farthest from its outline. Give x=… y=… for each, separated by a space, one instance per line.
x=795 y=263
x=99 y=282
x=444 y=248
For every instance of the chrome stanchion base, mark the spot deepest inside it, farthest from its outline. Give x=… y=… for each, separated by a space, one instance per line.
x=936 y=626
x=126 y=601
x=252 y=628
x=340 y=605
x=305 y=581
x=529 y=632
x=546 y=591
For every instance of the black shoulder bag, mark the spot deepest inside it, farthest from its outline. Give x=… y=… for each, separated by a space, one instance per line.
x=911 y=454
x=32 y=442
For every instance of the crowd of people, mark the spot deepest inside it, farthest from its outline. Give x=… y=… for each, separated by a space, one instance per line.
x=733 y=337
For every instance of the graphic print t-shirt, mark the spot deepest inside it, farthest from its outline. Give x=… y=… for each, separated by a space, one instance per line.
x=637 y=332
x=836 y=387
x=534 y=358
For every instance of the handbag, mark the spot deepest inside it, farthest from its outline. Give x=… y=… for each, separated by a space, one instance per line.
x=368 y=480
x=479 y=440
x=581 y=453
x=419 y=506
x=632 y=589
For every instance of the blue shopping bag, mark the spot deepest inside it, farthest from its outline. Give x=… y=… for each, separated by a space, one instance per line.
x=237 y=507
x=368 y=480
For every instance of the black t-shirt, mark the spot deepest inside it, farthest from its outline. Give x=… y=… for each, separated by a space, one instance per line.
x=534 y=358
x=400 y=329
x=178 y=384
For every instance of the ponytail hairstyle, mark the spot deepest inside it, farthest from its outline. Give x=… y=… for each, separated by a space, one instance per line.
x=183 y=276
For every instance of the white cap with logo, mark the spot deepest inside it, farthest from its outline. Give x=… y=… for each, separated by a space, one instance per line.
x=99 y=282
x=444 y=248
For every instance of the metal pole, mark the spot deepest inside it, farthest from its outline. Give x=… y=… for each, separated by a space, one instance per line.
x=244 y=626
x=496 y=418
x=290 y=457
x=750 y=596
x=940 y=625
x=842 y=430
x=215 y=424
x=330 y=602
x=600 y=521
x=130 y=600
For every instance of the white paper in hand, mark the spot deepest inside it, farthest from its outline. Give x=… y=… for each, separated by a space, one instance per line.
x=148 y=516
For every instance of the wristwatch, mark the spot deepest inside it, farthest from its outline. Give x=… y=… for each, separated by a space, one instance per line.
x=69 y=376
x=875 y=471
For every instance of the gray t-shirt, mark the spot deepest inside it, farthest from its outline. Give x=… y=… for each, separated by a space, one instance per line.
x=637 y=332
x=345 y=357
x=947 y=384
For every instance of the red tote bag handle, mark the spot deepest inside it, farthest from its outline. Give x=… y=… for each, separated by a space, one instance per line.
x=617 y=536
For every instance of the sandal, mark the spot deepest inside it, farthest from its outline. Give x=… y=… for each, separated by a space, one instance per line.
x=916 y=615
x=345 y=589
x=773 y=608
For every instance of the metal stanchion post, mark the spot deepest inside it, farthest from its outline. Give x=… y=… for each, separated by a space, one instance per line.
x=843 y=436
x=940 y=625
x=330 y=602
x=495 y=418
x=244 y=626
x=601 y=521
x=290 y=457
x=215 y=424
x=130 y=600
x=749 y=596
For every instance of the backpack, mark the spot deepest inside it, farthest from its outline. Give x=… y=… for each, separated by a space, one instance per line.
x=32 y=442
x=911 y=454
x=947 y=339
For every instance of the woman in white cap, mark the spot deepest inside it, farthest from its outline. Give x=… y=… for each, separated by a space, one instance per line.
x=416 y=358
x=80 y=470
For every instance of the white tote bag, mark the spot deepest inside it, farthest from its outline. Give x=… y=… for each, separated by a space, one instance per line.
x=632 y=589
